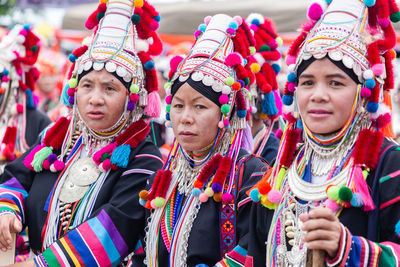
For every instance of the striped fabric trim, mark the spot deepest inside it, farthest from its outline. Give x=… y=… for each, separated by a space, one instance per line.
x=96 y=242
x=390 y=202
x=389 y=176
x=40 y=261
x=237 y=257
x=12 y=196
x=244 y=201
x=149 y=156
x=342 y=244
x=222 y=263
x=131 y=171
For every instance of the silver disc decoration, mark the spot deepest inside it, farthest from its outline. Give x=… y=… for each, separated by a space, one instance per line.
x=71 y=192
x=83 y=172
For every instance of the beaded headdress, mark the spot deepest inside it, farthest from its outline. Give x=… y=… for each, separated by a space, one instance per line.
x=264 y=63
x=359 y=35
x=19 y=50
x=123 y=41
x=219 y=59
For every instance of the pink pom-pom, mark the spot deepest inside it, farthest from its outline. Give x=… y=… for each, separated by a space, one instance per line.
x=223 y=99
x=273 y=44
x=106 y=164
x=365 y=92
x=174 y=63
x=226 y=122
x=291 y=87
x=153 y=108
x=233 y=59
x=207 y=20
x=278 y=133
x=383 y=22
x=254 y=27
x=238 y=19
x=378 y=69
x=5 y=79
x=154 y=25
x=278 y=101
x=59 y=165
x=89 y=24
x=230 y=31
x=153 y=204
x=20 y=108
x=227 y=198
x=315 y=11
x=23 y=32
x=19 y=72
x=71 y=91
x=197 y=34
x=221 y=124
x=274 y=196
x=332 y=205
x=290 y=60
x=203 y=197
x=46 y=164
x=383 y=120
x=134 y=97
x=168 y=99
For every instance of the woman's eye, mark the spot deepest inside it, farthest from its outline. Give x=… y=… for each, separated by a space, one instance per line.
x=86 y=85
x=178 y=106
x=200 y=107
x=110 y=88
x=336 y=83
x=306 y=83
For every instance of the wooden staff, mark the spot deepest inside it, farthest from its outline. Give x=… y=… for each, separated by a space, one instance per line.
x=315 y=258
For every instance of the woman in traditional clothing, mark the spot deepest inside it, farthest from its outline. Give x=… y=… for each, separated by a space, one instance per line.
x=20 y=121
x=78 y=191
x=266 y=104
x=336 y=194
x=198 y=203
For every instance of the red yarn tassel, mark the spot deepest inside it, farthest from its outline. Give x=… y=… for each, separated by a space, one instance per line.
x=52 y=132
x=374 y=97
x=271 y=55
x=292 y=138
x=240 y=101
x=58 y=139
x=154 y=186
x=374 y=149
x=361 y=147
x=207 y=171
x=389 y=81
x=262 y=83
x=390 y=39
x=373 y=53
x=393 y=6
x=80 y=51
x=164 y=184
x=9 y=140
x=223 y=170
x=246 y=29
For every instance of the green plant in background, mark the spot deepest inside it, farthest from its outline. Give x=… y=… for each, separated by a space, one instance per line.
x=6 y=6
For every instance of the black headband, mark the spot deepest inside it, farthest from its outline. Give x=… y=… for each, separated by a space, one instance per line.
x=304 y=65
x=126 y=84
x=205 y=90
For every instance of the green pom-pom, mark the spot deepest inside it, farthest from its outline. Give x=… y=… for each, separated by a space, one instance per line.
x=167 y=84
x=246 y=81
x=105 y=156
x=395 y=17
x=99 y=16
x=159 y=202
x=264 y=48
x=168 y=108
x=279 y=41
x=34 y=48
x=225 y=108
x=229 y=81
x=134 y=89
x=333 y=193
x=135 y=19
x=252 y=50
x=345 y=194
x=73 y=83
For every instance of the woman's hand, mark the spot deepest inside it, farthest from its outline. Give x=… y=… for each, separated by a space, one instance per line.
x=323 y=230
x=8 y=224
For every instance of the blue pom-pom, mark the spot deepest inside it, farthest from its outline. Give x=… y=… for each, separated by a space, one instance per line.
x=397 y=228
x=5 y=72
x=196 y=192
x=142 y=202
x=356 y=200
x=369 y=3
x=27 y=27
x=157 y=18
x=244 y=62
x=372 y=107
x=234 y=25
x=255 y=195
x=202 y=265
x=268 y=104
x=276 y=68
x=291 y=77
x=167 y=117
x=149 y=65
x=255 y=22
x=120 y=156
x=328 y=1
x=29 y=99
x=241 y=113
x=287 y=100
x=202 y=27
x=370 y=83
x=299 y=124
x=72 y=58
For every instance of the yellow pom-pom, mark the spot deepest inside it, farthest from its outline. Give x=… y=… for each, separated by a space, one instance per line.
x=279 y=41
x=252 y=50
x=255 y=67
x=73 y=83
x=138 y=3
x=209 y=192
x=134 y=89
x=166 y=85
x=103 y=1
x=229 y=81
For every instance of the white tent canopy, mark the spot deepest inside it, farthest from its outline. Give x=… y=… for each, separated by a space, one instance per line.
x=184 y=17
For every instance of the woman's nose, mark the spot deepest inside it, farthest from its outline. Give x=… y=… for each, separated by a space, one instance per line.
x=319 y=93
x=187 y=116
x=97 y=97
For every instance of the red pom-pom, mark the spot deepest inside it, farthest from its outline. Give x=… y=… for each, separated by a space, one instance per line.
x=233 y=59
x=46 y=164
x=315 y=11
x=20 y=108
x=106 y=164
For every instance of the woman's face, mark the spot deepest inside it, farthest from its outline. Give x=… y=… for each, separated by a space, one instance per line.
x=194 y=119
x=100 y=99
x=325 y=96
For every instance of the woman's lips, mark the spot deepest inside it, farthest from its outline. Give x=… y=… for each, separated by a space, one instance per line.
x=186 y=135
x=95 y=115
x=319 y=113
